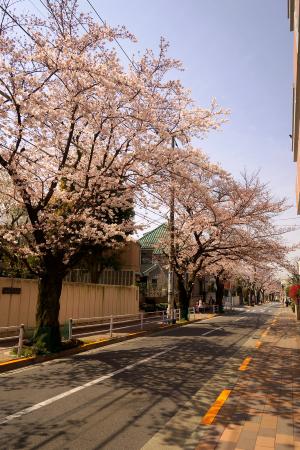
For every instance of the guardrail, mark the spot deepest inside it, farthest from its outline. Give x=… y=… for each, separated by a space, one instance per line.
x=201 y=309
x=110 y=324
x=97 y=325
x=19 y=329
x=228 y=306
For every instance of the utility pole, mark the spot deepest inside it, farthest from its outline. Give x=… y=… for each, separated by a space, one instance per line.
x=171 y=249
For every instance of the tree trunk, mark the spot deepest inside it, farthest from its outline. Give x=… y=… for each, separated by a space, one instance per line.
x=219 y=293
x=202 y=289
x=258 y=297
x=47 y=335
x=184 y=298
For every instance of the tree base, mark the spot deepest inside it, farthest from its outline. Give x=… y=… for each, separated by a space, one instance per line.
x=47 y=340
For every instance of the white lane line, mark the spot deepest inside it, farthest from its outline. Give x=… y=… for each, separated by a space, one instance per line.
x=47 y=402
x=241 y=318
x=211 y=331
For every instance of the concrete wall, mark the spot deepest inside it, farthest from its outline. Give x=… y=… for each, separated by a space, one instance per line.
x=78 y=300
x=130 y=256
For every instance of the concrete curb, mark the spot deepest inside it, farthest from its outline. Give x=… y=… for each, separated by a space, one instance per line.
x=13 y=364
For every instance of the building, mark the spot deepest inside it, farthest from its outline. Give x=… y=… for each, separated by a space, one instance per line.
x=154 y=271
x=154 y=275
x=293 y=14
x=120 y=268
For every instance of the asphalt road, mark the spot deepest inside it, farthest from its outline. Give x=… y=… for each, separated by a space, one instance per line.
x=121 y=396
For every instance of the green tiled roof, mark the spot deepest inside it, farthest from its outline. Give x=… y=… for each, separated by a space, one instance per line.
x=150 y=239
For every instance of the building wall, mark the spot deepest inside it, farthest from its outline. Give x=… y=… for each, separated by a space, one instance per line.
x=129 y=263
x=293 y=12
x=78 y=300
x=130 y=256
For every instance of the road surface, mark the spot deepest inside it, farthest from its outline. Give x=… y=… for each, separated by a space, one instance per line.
x=124 y=396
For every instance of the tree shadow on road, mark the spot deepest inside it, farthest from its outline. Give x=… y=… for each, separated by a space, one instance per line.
x=135 y=404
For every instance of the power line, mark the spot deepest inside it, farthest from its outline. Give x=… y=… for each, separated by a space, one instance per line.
x=17 y=23
x=37 y=7
x=116 y=41
x=150 y=221
x=152 y=211
x=290 y=218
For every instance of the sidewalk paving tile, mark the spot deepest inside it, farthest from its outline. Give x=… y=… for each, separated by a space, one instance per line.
x=269 y=421
x=264 y=408
x=267 y=432
x=284 y=446
x=286 y=439
x=231 y=433
x=264 y=441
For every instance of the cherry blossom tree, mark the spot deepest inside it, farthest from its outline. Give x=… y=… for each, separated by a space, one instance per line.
x=255 y=277
x=79 y=135
x=219 y=221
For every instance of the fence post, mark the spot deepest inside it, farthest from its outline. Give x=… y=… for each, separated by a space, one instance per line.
x=70 y=328
x=142 y=320
x=111 y=326
x=179 y=314
x=21 y=337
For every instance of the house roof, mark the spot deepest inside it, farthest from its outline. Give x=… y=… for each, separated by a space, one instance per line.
x=151 y=239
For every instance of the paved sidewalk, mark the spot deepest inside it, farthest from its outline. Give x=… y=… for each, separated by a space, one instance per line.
x=263 y=410
x=6 y=354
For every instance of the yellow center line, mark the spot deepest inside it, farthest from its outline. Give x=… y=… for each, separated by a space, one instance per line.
x=215 y=408
x=258 y=344
x=244 y=365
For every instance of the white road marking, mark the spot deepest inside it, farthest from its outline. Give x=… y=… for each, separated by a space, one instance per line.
x=51 y=400
x=241 y=318
x=211 y=331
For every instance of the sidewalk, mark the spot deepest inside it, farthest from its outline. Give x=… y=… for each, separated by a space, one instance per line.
x=263 y=409
x=6 y=354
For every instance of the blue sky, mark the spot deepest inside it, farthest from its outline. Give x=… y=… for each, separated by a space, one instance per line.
x=241 y=53
x=238 y=51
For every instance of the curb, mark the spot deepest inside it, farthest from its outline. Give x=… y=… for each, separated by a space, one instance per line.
x=13 y=364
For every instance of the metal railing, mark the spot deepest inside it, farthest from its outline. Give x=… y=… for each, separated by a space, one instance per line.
x=96 y=325
x=18 y=333
x=202 y=309
x=111 y=324
x=228 y=306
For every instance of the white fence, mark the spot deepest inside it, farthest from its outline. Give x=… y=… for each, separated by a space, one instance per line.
x=118 y=323
x=13 y=333
x=202 y=309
